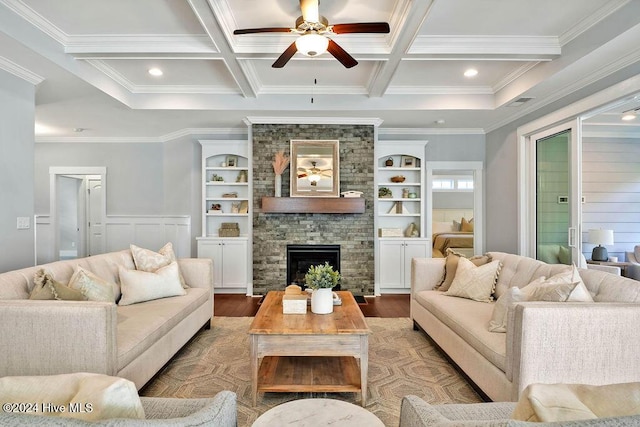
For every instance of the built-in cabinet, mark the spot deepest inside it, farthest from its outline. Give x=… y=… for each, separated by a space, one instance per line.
x=226 y=213
x=399 y=213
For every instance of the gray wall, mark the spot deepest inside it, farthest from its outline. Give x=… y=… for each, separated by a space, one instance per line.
x=135 y=174
x=17 y=115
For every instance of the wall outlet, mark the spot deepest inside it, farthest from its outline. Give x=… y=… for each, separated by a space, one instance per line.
x=23 y=223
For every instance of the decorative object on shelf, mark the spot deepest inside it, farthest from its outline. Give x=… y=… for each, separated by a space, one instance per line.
x=217 y=178
x=397 y=178
x=235 y=208
x=389 y=162
x=384 y=193
x=229 y=229
x=321 y=278
x=405 y=193
x=398 y=208
x=229 y=195
x=294 y=300
x=413 y=195
x=412 y=230
x=242 y=176
x=244 y=207
x=232 y=161
x=600 y=237
x=407 y=161
x=390 y=232
x=280 y=163
x=216 y=208
x=351 y=194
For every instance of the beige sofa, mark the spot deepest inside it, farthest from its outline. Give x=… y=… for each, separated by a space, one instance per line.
x=133 y=341
x=546 y=342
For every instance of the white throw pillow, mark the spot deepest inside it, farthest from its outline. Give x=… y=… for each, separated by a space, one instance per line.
x=498 y=321
x=580 y=293
x=150 y=261
x=476 y=283
x=92 y=287
x=140 y=286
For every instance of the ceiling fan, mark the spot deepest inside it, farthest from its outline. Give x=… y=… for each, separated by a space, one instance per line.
x=313 y=30
x=314 y=174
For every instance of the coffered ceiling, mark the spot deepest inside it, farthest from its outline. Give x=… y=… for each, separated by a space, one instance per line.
x=90 y=61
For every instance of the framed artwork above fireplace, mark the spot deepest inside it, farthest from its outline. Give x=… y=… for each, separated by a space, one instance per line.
x=315 y=168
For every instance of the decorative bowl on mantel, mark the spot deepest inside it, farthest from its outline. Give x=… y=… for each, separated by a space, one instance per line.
x=397 y=178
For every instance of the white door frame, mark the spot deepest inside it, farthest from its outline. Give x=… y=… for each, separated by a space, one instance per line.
x=478 y=197
x=54 y=172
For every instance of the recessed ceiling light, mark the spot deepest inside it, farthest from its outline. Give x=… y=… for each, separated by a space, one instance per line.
x=471 y=72
x=440 y=122
x=629 y=116
x=78 y=130
x=155 y=72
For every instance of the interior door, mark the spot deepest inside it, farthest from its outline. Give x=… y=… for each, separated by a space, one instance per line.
x=95 y=225
x=556 y=200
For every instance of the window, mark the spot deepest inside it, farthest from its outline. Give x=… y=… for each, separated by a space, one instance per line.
x=452 y=183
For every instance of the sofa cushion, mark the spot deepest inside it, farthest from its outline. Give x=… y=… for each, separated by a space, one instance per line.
x=141 y=325
x=139 y=286
x=519 y=271
x=46 y=288
x=606 y=287
x=476 y=283
x=566 y=286
x=469 y=319
x=150 y=261
x=94 y=288
x=451 y=266
x=498 y=322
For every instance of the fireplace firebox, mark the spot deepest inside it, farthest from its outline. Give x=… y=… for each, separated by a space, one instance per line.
x=301 y=257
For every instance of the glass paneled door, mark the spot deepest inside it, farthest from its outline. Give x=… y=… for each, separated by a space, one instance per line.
x=555 y=235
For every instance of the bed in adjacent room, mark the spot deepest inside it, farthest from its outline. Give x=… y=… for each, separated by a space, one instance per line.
x=452 y=229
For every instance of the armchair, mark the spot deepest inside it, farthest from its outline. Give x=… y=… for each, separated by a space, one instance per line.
x=633 y=270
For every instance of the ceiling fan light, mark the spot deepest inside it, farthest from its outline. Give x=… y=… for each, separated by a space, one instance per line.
x=314 y=178
x=312 y=44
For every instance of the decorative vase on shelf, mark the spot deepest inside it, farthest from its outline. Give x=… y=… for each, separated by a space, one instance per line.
x=278 y=185
x=322 y=301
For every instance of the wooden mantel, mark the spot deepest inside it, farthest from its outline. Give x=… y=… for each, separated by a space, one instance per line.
x=336 y=205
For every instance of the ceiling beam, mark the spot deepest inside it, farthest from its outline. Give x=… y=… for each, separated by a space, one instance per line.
x=415 y=15
x=208 y=21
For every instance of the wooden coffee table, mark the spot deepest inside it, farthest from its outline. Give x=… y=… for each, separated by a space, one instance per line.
x=309 y=352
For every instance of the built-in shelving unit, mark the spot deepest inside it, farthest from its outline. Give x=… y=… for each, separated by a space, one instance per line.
x=226 y=200
x=399 y=208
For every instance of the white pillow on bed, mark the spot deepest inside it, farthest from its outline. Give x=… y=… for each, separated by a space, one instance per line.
x=442 y=227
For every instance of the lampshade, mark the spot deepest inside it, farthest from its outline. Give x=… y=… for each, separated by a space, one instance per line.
x=312 y=44
x=601 y=237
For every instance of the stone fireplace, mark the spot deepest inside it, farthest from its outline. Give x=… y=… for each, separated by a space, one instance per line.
x=301 y=257
x=353 y=233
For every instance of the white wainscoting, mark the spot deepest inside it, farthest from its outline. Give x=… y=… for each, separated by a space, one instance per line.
x=147 y=231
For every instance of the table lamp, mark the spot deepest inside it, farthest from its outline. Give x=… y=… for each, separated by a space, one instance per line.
x=600 y=237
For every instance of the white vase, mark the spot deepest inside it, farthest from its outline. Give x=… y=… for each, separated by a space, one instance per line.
x=278 y=185
x=322 y=301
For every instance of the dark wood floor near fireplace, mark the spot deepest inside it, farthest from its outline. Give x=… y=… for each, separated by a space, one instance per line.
x=240 y=306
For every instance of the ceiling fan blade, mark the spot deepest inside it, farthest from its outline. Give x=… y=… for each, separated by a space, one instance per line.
x=262 y=30
x=341 y=55
x=286 y=56
x=310 y=10
x=361 y=27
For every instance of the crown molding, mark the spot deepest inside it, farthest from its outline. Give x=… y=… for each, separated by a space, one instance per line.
x=430 y=131
x=257 y=120
x=238 y=132
x=440 y=90
x=535 y=46
x=607 y=9
x=20 y=72
x=35 y=19
x=134 y=43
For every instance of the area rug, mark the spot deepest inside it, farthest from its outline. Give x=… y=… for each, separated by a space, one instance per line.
x=401 y=361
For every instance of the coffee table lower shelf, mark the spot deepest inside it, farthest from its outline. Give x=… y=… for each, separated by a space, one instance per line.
x=309 y=374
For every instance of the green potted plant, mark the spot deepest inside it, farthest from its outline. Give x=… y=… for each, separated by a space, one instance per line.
x=322 y=278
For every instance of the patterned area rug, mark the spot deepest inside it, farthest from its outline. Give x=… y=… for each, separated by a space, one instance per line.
x=401 y=361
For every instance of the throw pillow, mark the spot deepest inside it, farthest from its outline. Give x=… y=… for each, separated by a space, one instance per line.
x=139 y=286
x=578 y=293
x=476 y=283
x=150 y=261
x=92 y=287
x=46 y=288
x=451 y=266
x=554 y=293
x=498 y=321
x=466 y=225
x=564 y=255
